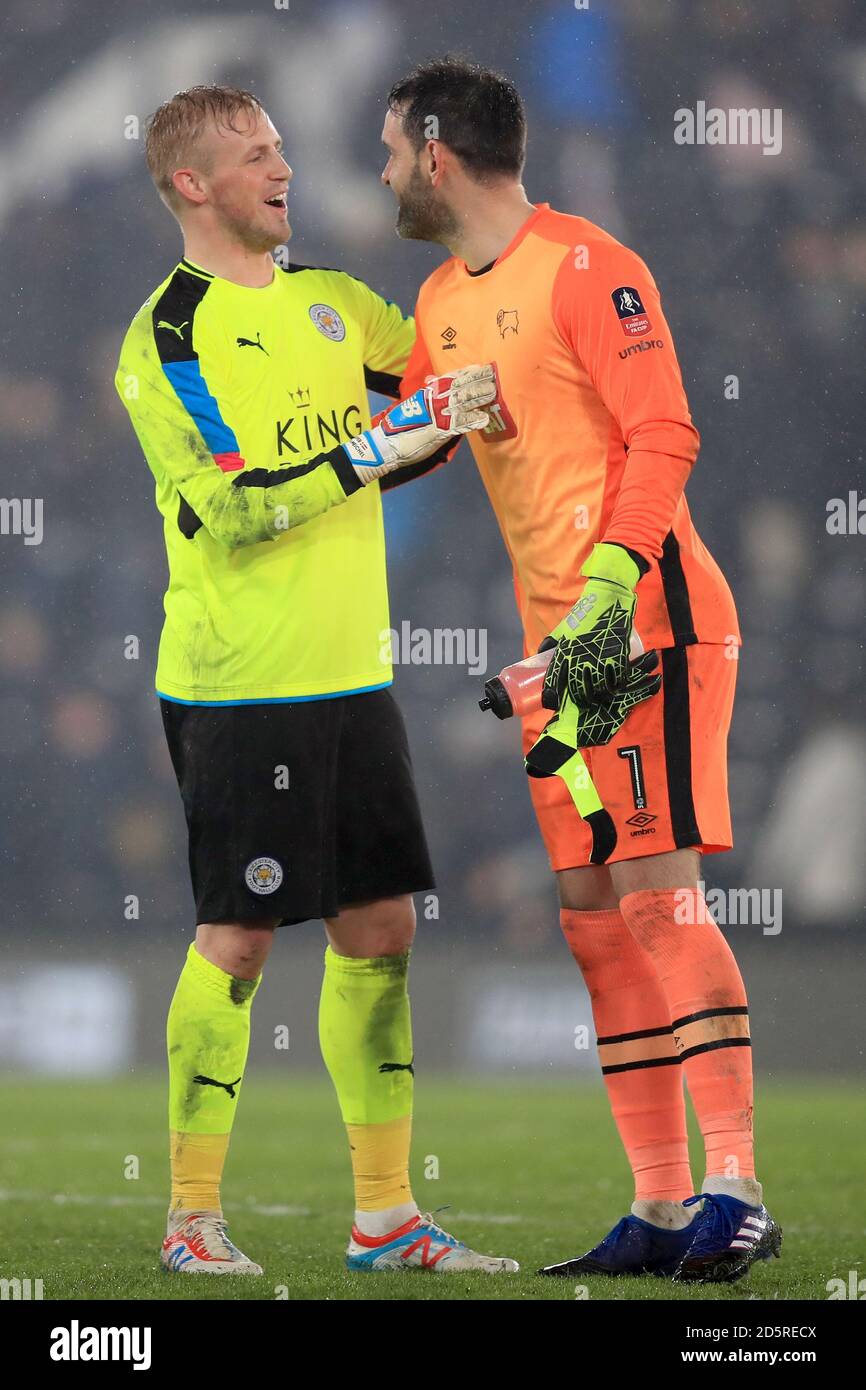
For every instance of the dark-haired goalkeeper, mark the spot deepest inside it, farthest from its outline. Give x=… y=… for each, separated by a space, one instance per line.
x=589 y=449
x=247 y=388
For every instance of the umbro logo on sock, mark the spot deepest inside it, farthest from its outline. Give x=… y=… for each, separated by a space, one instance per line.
x=399 y=1066
x=226 y=1085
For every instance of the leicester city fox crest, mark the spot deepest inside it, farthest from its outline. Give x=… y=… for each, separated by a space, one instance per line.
x=263 y=875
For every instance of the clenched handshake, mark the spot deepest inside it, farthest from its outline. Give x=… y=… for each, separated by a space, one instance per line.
x=417 y=426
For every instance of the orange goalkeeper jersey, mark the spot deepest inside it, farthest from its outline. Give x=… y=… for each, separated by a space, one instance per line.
x=595 y=441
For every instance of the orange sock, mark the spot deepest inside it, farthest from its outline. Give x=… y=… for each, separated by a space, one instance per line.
x=709 y=1017
x=639 y=1062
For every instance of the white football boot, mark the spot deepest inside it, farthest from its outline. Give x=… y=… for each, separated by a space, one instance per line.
x=197 y=1243
x=420 y=1244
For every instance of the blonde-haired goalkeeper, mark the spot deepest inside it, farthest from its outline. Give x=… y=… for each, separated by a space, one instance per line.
x=247 y=387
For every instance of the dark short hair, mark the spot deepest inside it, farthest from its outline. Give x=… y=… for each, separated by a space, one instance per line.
x=479 y=112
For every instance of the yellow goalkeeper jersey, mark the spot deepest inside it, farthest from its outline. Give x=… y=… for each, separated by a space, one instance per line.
x=240 y=399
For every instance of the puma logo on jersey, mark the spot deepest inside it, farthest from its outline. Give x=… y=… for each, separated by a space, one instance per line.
x=248 y=342
x=173 y=327
x=228 y=1086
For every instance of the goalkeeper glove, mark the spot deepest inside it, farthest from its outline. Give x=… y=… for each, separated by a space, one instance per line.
x=592 y=641
x=416 y=427
x=575 y=727
x=556 y=752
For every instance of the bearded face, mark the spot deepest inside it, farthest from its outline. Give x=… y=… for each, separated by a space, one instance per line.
x=421 y=213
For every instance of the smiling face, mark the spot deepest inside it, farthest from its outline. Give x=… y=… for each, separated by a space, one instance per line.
x=244 y=179
x=422 y=213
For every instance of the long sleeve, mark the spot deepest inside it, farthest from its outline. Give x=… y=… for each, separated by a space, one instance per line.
x=610 y=314
x=180 y=403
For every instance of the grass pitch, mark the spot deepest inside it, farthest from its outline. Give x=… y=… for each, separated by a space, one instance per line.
x=531 y=1170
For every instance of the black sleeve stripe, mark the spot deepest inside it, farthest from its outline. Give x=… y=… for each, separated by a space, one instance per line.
x=385 y=383
x=175 y=311
x=273 y=477
x=348 y=478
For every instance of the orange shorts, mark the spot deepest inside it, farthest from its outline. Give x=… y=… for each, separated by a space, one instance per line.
x=663 y=778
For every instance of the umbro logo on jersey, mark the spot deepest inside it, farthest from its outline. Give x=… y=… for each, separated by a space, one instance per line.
x=630 y=311
x=641 y=347
x=173 y=327
x=507 y=322
x=228 y=1086
x=641 y=819
x=448 y=335
x=249 y=342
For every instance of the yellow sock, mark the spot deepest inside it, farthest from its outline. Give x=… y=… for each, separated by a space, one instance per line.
x=208 y=1036
x=380 y=1163
x=196 y=1169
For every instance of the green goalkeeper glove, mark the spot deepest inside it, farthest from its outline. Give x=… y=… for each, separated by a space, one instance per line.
x=416 y=427
x=556 y=751
x=592 y=641
x=595 y=725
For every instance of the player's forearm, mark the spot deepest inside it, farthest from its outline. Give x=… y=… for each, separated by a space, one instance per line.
x=651 y=487
x=261 y=504
x=421 y=469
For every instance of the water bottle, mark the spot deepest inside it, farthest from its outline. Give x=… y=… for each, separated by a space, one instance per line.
x=517 y=688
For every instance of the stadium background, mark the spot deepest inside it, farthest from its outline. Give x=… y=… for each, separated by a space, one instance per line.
x=762 y=265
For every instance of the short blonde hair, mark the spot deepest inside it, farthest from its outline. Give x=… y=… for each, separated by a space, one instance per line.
x=173 y=131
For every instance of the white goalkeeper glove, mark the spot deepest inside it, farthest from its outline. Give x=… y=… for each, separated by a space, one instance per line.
x=416 y=427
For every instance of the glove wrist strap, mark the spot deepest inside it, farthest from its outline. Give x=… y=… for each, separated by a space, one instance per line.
x=612 y=563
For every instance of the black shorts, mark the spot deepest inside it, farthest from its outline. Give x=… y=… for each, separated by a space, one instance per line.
x=297 y=810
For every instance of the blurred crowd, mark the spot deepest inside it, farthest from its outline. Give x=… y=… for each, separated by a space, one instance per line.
x=761 y=261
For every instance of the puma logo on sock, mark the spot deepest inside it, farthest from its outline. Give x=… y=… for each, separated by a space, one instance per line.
x=399 y=1066
x=226 y=1085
